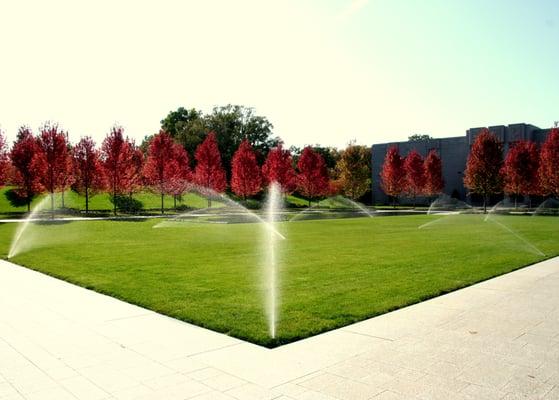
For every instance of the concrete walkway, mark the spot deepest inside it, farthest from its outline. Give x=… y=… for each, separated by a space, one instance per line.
x=495 y=340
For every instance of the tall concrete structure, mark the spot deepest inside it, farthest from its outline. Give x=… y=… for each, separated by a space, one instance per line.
x=454 y=154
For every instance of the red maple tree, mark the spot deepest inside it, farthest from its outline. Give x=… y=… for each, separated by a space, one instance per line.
x=159 y=169
x=393 y=174
x=89 y=176
x=246 y=179
x=434 y=182
x=312 y=180
x=181 y=173
x=520 y=170
x=134 y=172
x=415 y=174
x=68 y=177
x=483 y=168
x=25 y=175
x=116 y=157
x=52 y=162
x=209 y=172
x=4 y=159
x=278 y=168
x=549 y=164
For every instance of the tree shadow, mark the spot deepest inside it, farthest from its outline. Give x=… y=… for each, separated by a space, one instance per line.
x=52 y=222
x=128 y=219
x=15 y=199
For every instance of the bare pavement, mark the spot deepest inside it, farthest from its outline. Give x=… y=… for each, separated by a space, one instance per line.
x=498 y=339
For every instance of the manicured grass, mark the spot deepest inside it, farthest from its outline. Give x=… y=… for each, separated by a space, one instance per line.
x=332 y=272
x=100 y=202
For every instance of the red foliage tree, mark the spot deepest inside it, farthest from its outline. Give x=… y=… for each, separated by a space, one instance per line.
x=4 y=159
x=434 y=182
x=89 y=175
x=278 y=168
x=68 y=177
x=312 y=180
x=53 y=162
x=415 y=174
x=209 y=172
x=181 y=173
x=393 y=174
x=246 y=179
x=134 y=169
x=483 y=168
x=549 y=164
x=116 y=157
x=520 y=170
x=159 y=169
x=25 y=175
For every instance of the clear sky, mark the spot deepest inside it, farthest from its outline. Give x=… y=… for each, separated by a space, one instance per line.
x=322 y=71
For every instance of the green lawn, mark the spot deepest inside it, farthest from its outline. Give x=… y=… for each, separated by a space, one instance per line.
x=102 y=202
x=332 y=273
x=99 y=202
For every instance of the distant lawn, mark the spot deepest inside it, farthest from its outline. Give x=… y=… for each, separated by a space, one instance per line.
x=333 y=272
x=99 y=202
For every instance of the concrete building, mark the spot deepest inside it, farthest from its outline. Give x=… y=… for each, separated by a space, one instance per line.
x=454 y=154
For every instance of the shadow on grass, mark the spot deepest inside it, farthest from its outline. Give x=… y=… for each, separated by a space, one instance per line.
x=15 y=199
x=52 y=222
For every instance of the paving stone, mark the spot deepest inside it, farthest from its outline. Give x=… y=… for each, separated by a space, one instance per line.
x=223 y=382
x=482 y=393
x=250 y=391
x=495 y=340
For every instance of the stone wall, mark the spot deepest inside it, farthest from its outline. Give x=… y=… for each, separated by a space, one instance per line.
x=454 y=154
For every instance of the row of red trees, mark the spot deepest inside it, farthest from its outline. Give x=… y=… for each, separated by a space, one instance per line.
x=526 y=171
x=48 y=163
x=412 y=175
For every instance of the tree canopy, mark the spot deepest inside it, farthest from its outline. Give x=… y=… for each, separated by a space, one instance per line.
x=354 y=171
x=231 y=124
x=483 y=168
x=393 y=174
x=417 y=137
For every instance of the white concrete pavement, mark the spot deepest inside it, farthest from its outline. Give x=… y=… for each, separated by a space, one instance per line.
x=495 y=340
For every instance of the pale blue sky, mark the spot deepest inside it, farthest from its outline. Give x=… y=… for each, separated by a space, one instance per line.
x=322 y=71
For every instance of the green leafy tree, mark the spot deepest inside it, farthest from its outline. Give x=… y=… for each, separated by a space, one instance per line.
x=330 y=155
x=419 y=138
x=232 y=124
x=187 y=127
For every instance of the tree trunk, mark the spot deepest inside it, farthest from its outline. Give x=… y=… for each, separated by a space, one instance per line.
x=175 y=201
x=63 y=199
x=209 y=202
x=515 y=202
x=309 y=203
x=52 y=205
x=114 y=203
x=162 y=203
x=485 y=204
x=86 y=201
x=28 y=204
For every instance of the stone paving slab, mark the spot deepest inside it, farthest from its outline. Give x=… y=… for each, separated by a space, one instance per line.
x=498 y=339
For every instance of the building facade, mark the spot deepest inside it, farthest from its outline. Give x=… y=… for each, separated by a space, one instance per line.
x=454 y=154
